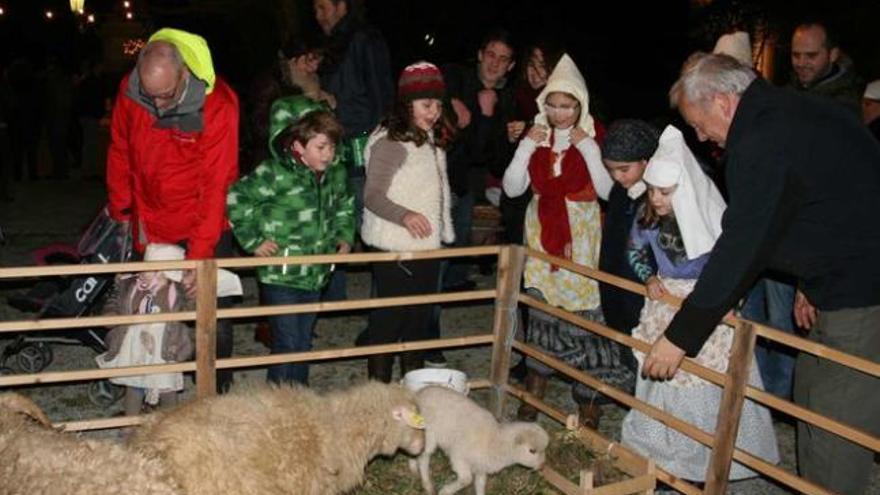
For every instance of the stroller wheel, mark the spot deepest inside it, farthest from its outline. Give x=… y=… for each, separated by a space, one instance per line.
x=33 y=357
x=104 y=394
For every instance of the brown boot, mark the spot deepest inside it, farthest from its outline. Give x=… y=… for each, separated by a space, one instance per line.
x=379 y=367
x=536 y=385
x=589 y=415
x=412 y=360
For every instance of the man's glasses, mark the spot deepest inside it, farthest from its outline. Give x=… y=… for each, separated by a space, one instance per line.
x=165 y=102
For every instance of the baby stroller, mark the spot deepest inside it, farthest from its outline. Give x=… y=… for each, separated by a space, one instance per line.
x=104 y=241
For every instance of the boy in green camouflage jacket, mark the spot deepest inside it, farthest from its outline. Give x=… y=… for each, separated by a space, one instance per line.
x=296 y=202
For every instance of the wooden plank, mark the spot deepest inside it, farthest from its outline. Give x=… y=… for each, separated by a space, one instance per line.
x=39 y=325
x=848 y=432
x=94 y=269
x=624 y=459
x=626 y=487
x=849 y=360
x=727 y=426
x=586 y=477
x=752 y=462
x=92 y=374
x=148 y=266
x=560 y=417
x=359 y=257
x=559 y=481
x=377 y=302
x=100 y=424
x=206 y=328
x=510 y=267
x=652 y=471
x=110 y=321
x=351 y=352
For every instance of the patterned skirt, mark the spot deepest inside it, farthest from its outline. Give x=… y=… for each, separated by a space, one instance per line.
x=602 y=358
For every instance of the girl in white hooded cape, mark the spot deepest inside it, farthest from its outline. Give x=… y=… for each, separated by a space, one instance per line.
x=678 y=226
x=561 y=162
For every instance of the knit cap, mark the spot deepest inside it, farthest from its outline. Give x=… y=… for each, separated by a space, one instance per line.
x=630 y=140
x=421 y=80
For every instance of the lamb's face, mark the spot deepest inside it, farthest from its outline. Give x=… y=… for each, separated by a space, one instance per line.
x=530 y=445
x=407 y=431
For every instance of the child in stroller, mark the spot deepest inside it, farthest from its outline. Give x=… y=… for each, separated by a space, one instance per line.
x=149 y=343
x=104 y=241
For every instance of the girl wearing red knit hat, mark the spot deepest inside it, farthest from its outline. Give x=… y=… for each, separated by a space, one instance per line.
x=407 y=208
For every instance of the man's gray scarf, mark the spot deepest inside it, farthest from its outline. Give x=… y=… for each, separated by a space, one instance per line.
x=185 y=116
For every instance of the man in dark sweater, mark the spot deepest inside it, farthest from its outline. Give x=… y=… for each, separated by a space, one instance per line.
x=803 y=176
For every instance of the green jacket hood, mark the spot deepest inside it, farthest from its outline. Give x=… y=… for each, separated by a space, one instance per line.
x=284 y=113
x=194 y=51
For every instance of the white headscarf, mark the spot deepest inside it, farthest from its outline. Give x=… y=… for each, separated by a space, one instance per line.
x=737 y=45
x=228 y=283
x=696 y=202
x=166 y=252
x=566 y=78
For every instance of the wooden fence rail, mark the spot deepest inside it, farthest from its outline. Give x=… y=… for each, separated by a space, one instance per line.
x=507 y=295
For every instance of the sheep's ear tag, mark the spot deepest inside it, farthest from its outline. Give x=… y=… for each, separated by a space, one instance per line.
x=412 y=418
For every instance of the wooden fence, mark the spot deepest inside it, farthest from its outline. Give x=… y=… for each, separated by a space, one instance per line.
x=507 y=297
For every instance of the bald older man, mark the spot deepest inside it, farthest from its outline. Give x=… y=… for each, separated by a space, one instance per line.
x=174 y=153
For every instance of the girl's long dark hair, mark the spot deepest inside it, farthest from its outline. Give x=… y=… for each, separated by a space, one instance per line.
x=401 y=128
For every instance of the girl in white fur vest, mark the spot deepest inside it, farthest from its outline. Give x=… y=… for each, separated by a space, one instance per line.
x=407 y=208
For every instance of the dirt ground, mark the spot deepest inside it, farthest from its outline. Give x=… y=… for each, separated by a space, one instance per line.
x=48 y=212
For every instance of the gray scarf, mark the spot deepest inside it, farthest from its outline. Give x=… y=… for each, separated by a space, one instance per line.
x=185 y=116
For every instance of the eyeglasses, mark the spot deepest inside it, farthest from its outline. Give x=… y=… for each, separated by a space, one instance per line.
x=560 y=110
x=166 y=102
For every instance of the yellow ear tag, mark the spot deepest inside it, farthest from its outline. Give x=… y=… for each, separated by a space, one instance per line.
x=415 y=420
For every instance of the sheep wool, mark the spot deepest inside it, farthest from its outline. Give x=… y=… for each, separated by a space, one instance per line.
x=40 y=460
x=283 y=440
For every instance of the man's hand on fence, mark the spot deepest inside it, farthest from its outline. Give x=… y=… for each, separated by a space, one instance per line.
x=663 y=361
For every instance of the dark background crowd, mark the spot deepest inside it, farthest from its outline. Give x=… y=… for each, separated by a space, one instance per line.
x=60 y=72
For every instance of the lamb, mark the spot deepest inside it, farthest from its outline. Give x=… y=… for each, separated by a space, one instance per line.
x=37 y=459
x=283 y=440
x=476 y=444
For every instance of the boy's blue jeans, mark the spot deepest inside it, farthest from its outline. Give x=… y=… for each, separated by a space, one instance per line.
x=290 y=332
x=771 y=303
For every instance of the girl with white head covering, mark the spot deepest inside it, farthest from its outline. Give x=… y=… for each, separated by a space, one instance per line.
x=679 y=224
x=561 y=162
x=149 y=343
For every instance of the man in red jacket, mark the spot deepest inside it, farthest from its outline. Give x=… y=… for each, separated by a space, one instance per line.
x=173 y=155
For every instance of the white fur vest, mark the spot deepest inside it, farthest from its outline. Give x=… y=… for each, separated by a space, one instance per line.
x=420 y=185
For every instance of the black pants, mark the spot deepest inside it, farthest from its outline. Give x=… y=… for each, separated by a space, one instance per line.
x=403 y=278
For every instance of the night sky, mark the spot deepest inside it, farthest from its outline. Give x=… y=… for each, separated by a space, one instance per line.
x=629 y=51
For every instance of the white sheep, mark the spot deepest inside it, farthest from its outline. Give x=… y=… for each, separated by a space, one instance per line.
x=283 y=440
x=37 y=459
x=475 y=443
